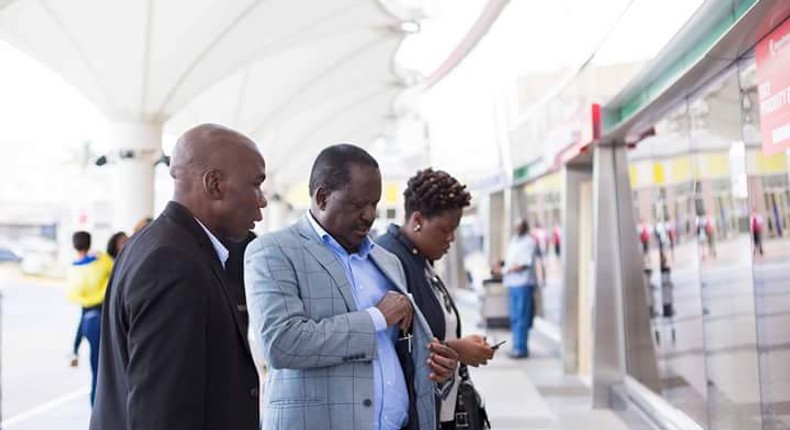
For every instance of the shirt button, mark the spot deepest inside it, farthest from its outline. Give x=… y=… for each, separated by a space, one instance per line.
x=254 y=392
x=367 y=402
x=414 y=251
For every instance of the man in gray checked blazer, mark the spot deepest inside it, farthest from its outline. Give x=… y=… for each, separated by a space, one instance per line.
x=346 y=347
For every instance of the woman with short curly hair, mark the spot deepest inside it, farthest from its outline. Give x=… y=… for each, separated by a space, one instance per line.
x=434 y=203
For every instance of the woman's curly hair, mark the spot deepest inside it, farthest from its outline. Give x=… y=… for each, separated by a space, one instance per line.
x=432 y=192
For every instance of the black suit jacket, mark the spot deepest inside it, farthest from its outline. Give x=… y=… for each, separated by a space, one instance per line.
x=234 y=270
x=174 y=352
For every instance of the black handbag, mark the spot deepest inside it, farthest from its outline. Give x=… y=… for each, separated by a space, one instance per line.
x=470 y=414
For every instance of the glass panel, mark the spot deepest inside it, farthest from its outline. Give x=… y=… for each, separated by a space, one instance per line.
x=662 y=181
x=767 y=224
x=722 y=231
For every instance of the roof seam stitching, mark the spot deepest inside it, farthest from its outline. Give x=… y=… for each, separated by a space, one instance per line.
x=146 y=58
x=329 y=118
x=291 y=39
x=73 y=42
x=203 y=54
x=242 y=88
x=317 y=78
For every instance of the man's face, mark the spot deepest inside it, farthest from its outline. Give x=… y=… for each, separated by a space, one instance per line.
x=348 y=213
x=243 y=198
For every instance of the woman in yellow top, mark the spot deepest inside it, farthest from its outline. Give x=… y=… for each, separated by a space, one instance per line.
x=87 y=282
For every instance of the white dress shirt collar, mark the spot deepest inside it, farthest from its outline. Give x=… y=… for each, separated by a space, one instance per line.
x=219 y=248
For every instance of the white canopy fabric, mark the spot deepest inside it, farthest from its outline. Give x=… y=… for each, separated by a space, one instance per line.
x=337 y=89
x=293 y=74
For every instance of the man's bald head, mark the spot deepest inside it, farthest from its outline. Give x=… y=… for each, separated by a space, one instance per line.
x=207 y=146
x=218 y=172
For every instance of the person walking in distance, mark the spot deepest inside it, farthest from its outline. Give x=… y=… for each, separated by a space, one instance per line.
x=87 y=279
x=756 y=226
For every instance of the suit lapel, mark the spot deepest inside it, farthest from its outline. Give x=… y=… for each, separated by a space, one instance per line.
x=420 y=328
x=182 y=216
x=235 y=310
x=234 y=275
x=327 y=259
x=389 y=272
x=378 y=257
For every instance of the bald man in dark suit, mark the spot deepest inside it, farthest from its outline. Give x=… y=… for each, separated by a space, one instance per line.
x=174 y=351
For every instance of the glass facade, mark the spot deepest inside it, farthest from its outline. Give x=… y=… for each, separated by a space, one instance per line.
x=712 y=211
x=662 y=179
x=764 y=223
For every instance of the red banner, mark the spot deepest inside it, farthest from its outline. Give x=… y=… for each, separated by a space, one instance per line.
x=589 y=133
x=773 y=74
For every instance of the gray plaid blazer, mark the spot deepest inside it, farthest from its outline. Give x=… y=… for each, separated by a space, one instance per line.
x=318 y=345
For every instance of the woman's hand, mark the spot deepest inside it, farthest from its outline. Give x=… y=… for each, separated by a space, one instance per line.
x=473 y=350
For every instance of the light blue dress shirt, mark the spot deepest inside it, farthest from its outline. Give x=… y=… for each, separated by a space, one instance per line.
x=521 y=251
x=369 y=285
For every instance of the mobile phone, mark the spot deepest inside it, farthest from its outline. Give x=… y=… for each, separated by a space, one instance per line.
x=496 y=346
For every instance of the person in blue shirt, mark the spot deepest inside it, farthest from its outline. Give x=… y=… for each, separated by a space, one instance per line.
x=345 y=345
x=114 y=245
x=520 y=277
x=87 y=279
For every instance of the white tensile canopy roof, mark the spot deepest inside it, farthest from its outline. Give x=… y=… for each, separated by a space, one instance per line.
x=336 y=89
x=293 y=74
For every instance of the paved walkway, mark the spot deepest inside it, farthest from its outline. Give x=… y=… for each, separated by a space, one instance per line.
x=534 y=394
x=40 y=391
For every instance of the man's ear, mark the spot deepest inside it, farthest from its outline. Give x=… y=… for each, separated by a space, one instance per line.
x=321 y=197
x=212 y=183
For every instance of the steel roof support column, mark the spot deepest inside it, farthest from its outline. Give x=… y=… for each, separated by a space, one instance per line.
x=622 y=343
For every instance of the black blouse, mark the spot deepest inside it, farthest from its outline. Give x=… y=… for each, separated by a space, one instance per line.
x=414 y=267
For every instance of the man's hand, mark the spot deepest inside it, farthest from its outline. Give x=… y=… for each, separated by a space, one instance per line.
x=396 y=309
x=472 y=350
x=443 y=361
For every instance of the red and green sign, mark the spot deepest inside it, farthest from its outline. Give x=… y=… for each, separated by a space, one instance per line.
x=773 y=74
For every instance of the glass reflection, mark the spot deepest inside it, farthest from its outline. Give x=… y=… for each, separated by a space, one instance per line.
x=722 y=228
x=766 y=224
x=665 y=205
